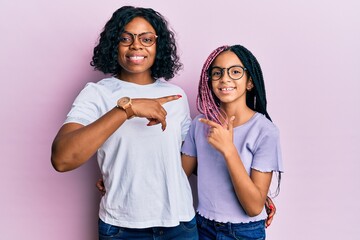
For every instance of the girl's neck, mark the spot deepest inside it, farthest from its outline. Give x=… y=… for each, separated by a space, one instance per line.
x=242 y=113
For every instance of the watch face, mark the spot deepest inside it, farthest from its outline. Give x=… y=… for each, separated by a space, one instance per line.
x=123 y=101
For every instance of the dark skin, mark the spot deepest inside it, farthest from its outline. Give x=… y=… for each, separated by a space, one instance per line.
x=75 y=144
x=269 y=204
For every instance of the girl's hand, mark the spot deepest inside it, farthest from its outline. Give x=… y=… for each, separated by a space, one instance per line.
x=220 y=137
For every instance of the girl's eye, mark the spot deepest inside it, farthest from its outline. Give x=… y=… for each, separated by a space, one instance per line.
x=216 y=73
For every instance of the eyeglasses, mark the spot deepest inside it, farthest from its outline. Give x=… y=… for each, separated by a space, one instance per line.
x=234 y=72
x=146 y=39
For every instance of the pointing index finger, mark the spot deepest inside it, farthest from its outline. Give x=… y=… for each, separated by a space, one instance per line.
x=163 y=100
x=208 y=122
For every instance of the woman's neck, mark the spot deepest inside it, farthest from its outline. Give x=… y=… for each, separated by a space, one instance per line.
x=137 y=78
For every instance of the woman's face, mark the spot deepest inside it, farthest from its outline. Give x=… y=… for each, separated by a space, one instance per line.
x=137 y=59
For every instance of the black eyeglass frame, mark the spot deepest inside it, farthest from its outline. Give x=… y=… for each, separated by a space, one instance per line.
x=133 y=36
x=228 y=72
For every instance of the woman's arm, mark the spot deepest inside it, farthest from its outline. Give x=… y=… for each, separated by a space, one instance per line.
x=189 y=164
x=75 y=144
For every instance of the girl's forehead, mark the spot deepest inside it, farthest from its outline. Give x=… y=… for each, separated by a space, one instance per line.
x=227 y=58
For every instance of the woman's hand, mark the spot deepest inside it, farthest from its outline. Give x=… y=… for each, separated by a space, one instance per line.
x=270 y=210
x=101 y=187
x=152 y=109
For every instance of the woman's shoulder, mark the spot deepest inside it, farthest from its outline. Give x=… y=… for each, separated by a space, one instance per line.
x=103 y=85
x=105 y=82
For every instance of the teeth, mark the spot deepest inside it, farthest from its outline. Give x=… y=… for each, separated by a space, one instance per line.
x=227 y=89
x=136 y=57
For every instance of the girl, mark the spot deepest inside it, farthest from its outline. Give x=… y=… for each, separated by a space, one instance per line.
x=148 y=194
x=234 y=146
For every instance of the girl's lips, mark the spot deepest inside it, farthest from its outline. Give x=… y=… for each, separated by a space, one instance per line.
x=227 y=89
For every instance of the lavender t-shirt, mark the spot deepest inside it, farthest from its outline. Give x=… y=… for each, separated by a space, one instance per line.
x=258 y=145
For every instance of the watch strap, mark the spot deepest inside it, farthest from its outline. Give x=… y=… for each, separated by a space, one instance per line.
x=129 y=111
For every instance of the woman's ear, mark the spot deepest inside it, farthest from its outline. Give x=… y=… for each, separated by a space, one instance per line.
x=250 y=85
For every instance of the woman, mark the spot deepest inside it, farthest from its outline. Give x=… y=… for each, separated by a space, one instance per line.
x=136 y=131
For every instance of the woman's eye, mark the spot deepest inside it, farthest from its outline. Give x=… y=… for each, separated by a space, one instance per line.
x=125 y=39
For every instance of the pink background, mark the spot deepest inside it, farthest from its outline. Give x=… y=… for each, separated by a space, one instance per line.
x=309 y=51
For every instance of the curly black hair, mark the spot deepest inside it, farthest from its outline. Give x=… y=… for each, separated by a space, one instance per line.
x=105 y=58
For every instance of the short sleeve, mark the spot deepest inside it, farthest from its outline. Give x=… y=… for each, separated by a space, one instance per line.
x=189 y=146
x=85 y=108
x=267 y=153
x=186 y=121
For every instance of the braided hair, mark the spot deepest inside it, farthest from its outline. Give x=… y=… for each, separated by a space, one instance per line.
x=209 y=105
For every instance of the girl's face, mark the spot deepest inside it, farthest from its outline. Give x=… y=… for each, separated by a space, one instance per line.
x=227 y=89
x=137 y=59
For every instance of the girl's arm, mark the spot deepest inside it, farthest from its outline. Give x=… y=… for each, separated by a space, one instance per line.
x=252 y=190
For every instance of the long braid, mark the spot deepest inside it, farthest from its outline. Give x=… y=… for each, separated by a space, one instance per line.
x=256 y=98
x=209 y=105
x=206 y=101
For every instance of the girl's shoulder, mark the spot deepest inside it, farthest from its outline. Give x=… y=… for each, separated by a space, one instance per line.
x=196 y=121
x=196 y=118
x=263 y=124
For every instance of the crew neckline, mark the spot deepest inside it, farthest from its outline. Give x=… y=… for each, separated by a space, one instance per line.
x=123 y=82
x=253 y=117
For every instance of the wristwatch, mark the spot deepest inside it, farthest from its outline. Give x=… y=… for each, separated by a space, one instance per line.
x=125 y=104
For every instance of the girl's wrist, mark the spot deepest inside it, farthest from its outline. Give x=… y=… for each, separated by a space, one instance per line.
x=230 y=151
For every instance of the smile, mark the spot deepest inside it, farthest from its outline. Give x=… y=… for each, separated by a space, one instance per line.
x=227 y=89
x=136 y=58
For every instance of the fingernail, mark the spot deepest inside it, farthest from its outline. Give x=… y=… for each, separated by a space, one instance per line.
x=179 y=96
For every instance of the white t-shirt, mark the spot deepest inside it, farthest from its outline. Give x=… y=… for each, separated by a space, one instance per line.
x=141 y=165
